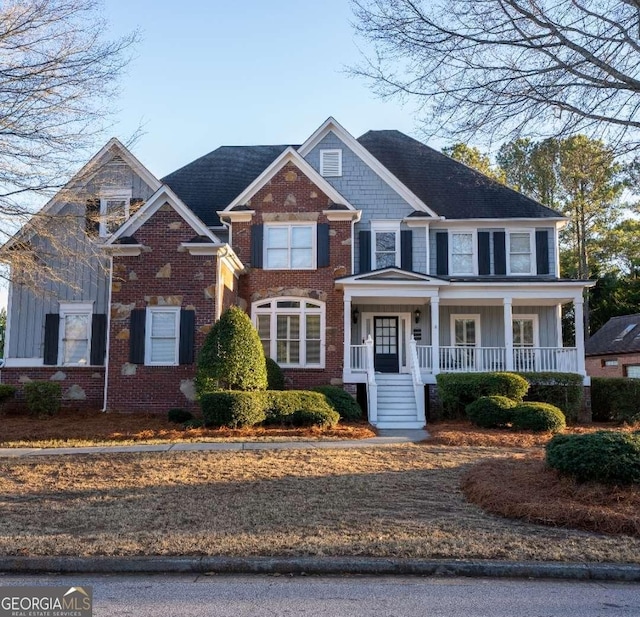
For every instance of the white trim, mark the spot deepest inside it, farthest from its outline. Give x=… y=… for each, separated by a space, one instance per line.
x=452 y=327
x=124 y=250
x=290 y=155
x=289 y=225
x=23 y=362
x=385 y=226
x=108 y=195
x=343 y=215
x=532 y=251
x=331 y=125
x=108 y=341
x=330 y=151
x=502 y=222
x=474 y=248
x=7 y=331
x=74 y=308
x=147 y=337
x=536 y=327
x=239 y=216
x=403 y=344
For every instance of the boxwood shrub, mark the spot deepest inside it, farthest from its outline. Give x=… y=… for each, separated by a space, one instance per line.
x=43 y=398
x=615 y=399
x=341 y=401
x=457 y=390
x=177 y=415
x=280 y=406
x=564 y=390
x=324 y=418
x=491 y=411
x=605 y=456
x=6 y=392
x=275 y=376
x=539 y=417
x=233 y=408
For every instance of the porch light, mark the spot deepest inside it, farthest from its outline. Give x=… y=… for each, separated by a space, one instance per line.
x=418 y=314
x=355 y=314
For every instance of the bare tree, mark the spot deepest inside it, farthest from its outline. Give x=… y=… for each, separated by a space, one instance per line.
x=504 y=68
x=58 y=77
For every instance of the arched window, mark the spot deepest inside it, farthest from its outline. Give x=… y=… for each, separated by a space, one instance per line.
x=292 y=331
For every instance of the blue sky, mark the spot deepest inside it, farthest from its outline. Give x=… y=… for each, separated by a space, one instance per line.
x=236 y=73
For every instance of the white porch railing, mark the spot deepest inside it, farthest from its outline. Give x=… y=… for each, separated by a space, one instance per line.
x=372 y=386
x=425 y=358
x=545 y=359
x=472 y=359
x=358 y=358
x=416 y=378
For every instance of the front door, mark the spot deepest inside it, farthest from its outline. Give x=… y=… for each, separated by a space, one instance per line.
x=386 y=359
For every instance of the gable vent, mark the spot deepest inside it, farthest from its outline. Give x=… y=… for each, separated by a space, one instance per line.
x=330 y=163
x=117 y=160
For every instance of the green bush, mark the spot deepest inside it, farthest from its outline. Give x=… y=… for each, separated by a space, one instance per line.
x=491 y=411
x=346 y=406
x=615 y=399
x=606 y=456
x=275 y=376
x=194 y=423
x=233 y=409
x=281 y=405
x=6 y=392
x=232 y=357
x=179 y=416
x=457 y=390
x=539 y=417
x=564 y=390
x=324 y=418
x=43 y=397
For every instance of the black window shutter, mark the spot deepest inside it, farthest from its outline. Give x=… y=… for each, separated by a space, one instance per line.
x=484 y=252
x=406 y=249
x=499 y=252
x=365 y=251
x=187 y=336
x=256 y=245
x=442 y=253
x=136 y=336
x=98 y=339
x=92 y=218
x=323 y=244
x=542 y=251
x=51 y=332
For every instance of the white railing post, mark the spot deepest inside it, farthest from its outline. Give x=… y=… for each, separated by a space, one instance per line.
x=435 y=335
x=347 y=335
x=508 y=333
x=578 y=309
x=372 y=387
x=418 y=386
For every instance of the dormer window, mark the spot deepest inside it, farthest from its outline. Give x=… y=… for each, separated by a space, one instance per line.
x=114 y=210
x=330 y=163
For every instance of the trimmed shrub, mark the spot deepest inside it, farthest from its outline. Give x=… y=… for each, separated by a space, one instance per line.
x=232 y=356
x=538 y=417
x=605 y=456
x=194 y=423
x=491 y=411
x=346 y=406
x=324 y=418
x=6 y=392
x=457 y=390
x=178 y=415
x=281 y=405
x=233 y=409
x=615 y=399
x=564 y=390
x=43 y=398
x=275 y=376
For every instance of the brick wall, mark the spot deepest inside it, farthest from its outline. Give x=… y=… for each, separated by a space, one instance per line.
x=595 y=368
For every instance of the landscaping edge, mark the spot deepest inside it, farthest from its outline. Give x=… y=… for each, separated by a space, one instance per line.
x=320 y=566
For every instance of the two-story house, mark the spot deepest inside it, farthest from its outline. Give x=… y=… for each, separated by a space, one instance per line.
x=374 y=262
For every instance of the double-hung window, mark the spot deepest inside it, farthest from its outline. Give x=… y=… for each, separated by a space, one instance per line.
x=74 y=345
x=385 y=243
x=462 y=252
x=114 y=210
x=163 y=335
x=521 y=252
x=290 y=246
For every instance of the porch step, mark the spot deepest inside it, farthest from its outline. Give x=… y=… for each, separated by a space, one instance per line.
x=396 y=402
x=400 y=425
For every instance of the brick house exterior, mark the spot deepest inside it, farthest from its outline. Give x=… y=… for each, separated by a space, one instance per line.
x=614 y=350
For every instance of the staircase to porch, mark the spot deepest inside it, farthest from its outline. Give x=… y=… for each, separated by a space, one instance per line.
x=396 y=402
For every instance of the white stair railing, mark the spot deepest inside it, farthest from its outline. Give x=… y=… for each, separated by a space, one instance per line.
x=418 y=386
x=372 y=387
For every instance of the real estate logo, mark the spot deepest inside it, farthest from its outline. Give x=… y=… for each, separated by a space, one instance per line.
x=49 y=601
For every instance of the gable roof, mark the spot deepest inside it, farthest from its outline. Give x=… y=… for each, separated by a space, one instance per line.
x=618 y=336
x=452 y=189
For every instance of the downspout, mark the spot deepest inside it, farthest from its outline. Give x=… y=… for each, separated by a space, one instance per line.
x=106 y=359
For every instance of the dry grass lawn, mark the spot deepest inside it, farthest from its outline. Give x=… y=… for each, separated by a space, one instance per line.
x=72 y=428
x=396 y=501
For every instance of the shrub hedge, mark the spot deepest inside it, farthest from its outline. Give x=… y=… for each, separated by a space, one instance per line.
x=615 y=399
x=605 y=456
x=457 y=390
x=564 y=390
x=178 y=415
x=275 y=376
x=43 y=397
x=539 y=417
x=6 y=392
x=233 y=408
x=491 y=411
x=341 y=401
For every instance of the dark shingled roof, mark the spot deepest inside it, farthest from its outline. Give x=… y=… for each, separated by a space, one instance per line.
x=448 y=187
x=610 y=340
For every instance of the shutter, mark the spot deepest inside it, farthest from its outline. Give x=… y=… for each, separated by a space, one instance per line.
x=136 y=336
x=484 y=252
x=330 y=163
x=98 y=339
x=406 y=249
x=257 y=234
x=499 y=252
x=365 y=251
x=51 y=333
x=187 y=336
x=92 y=218
x=322 y=231
x=442 y=253
x=542 y=252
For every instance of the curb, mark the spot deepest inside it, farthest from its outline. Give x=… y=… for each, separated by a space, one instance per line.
x=319 y=566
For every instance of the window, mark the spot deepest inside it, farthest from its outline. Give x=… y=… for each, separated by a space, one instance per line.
x=520 y=252
x=330 y=163
x=624 y=332
x=462 y=252
x=525 y=331
x=384 y=248
x=162 y=336
x=290 y=247
x=633 y=371
x=114 y=211
x=292 y=331
x=465 y=330
x=609 y=362
x=74 y=345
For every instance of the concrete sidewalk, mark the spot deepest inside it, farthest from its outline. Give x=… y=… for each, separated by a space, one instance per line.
x=384 y=438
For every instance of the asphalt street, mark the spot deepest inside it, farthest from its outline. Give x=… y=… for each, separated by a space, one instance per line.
x=240 y=596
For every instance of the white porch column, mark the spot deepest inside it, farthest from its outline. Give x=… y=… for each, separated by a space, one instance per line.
x=559 y=342
x=435 y=335
x=347 y=335
x=578 y=316
x=508 y=332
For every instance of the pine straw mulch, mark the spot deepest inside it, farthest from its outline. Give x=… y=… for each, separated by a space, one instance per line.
x=525 y=488
x=74 y=428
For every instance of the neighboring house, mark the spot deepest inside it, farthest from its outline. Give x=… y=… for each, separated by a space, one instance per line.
x=374 y=262
x=614 y=350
